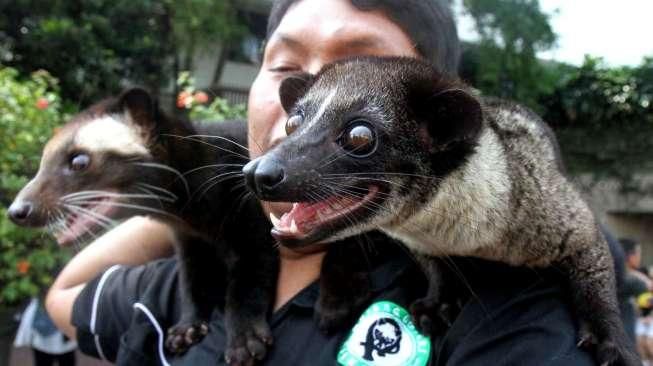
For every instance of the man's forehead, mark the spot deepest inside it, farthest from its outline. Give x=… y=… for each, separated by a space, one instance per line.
x=339 y=25
x=346 y=39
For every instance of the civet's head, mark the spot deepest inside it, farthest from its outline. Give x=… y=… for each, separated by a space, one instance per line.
x=368 y=140
x=97 y=168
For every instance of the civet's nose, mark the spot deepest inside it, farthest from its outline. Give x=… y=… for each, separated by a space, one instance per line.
x=263 y=175
x=19 y=211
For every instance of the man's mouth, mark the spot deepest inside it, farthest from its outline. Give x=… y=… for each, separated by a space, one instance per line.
x=85 y=220
x=307 y=219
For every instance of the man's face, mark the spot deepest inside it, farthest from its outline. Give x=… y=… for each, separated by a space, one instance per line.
x=634 y=260
x=312 y=34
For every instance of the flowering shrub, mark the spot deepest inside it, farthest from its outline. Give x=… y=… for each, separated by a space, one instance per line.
x=198 y=106
x=30 y=109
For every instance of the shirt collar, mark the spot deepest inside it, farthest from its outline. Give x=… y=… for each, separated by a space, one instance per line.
x=382 y=277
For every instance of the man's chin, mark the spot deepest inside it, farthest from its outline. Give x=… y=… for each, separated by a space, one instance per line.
x=296 y=252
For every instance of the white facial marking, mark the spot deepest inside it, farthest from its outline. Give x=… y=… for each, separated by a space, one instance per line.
x=467 y=212
x=323 y=107
x=109 y=134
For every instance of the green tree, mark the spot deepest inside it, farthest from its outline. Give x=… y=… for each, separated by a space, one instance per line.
x=603 y=117
x=644 y=74
x=595 y=96
x=197 y=24
x=504 y=61
x=95 y=47
x=90 y=46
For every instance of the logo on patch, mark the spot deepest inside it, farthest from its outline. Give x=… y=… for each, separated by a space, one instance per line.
x=385 y=335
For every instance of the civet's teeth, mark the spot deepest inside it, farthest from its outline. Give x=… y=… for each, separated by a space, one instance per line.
x=294 y=205
x=275 y=220
x=293 y=227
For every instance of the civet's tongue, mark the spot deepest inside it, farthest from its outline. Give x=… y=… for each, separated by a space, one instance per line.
x=304 y=216
x=82 y=222
x=74 y=228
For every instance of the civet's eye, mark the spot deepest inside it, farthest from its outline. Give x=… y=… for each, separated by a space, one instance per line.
x=359 y=139
x=79 y=162
x=293 y=123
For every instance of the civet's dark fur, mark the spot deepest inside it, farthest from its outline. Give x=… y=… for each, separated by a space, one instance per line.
x=227 y=256
x=457 y=175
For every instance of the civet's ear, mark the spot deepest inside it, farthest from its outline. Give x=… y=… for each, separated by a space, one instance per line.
x=140 y=105
x=449 y=117
x=459 y=116
x=294 y=87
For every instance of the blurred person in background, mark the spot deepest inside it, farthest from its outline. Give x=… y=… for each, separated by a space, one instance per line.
x=633 y=252
x=637 y=287
x=37 y=331
x=627 y=290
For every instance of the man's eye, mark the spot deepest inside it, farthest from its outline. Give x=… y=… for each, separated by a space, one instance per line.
x=284 y=69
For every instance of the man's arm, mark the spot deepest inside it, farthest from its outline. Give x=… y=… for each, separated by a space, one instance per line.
x=136 y=241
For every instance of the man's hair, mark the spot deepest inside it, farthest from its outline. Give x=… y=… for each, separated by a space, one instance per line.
x=629 y=245
x=428 y=23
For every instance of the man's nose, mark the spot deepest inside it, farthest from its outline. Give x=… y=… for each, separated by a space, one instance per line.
x=263 y=176
x=20 y=211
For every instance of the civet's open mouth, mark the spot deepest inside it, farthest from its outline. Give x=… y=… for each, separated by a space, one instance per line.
x=306 y=219
x=84 y=220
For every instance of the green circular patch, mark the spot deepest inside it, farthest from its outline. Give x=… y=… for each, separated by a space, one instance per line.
x=385 y=335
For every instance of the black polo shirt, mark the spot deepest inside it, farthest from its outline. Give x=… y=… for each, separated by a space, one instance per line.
x=510 y=316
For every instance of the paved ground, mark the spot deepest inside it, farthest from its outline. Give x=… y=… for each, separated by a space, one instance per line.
x=23 y=357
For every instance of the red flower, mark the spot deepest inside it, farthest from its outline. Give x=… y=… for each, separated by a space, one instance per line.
x=42 y=103
x=184 y=99
x=23 y=266
x=201 y=97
